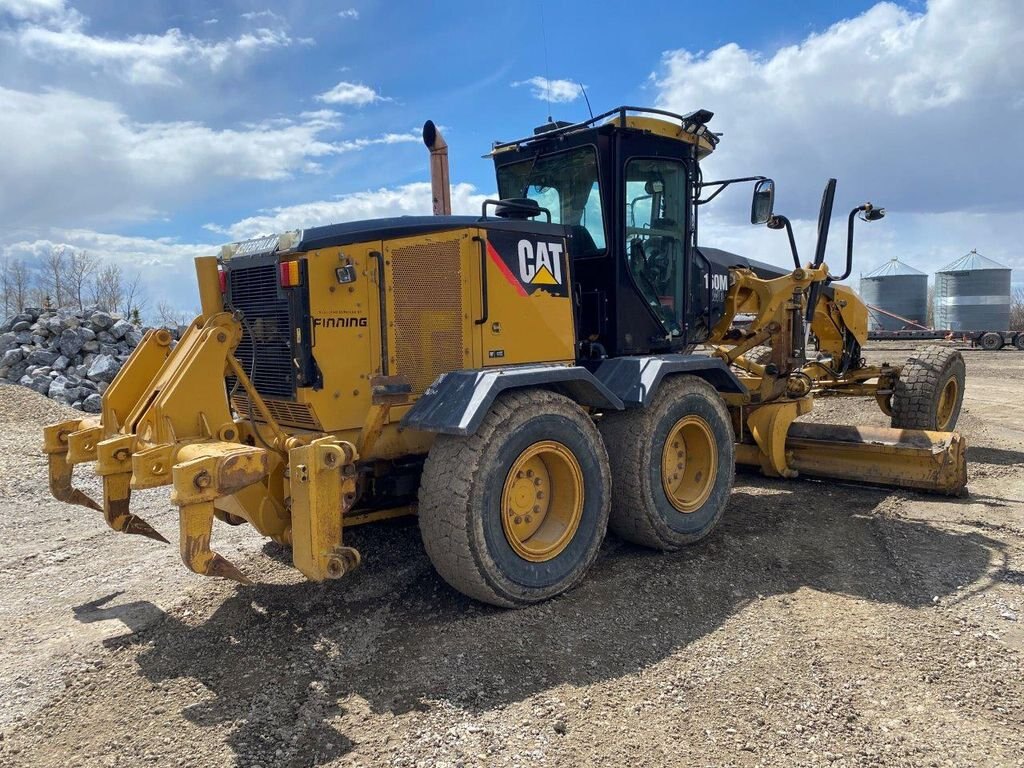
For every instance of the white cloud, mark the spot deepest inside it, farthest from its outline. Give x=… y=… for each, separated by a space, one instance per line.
x=407 y=200
x=355 y=94
x=349 y=13
x=555 y=91
x=31 y=9
x=919 y=110
x=60 y=37
x=83 y=160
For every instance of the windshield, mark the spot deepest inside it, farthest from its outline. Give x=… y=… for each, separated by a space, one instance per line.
x=566 y=184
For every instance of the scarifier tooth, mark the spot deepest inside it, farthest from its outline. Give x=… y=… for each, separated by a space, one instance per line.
x=221 y=566
x=60 y=484
x=135 y=524
x=82 y=499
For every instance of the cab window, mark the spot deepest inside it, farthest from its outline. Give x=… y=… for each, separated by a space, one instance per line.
x=566 y=184
x=655 y=212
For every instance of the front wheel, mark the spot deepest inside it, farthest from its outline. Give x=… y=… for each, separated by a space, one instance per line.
x=516 y=513
x=930 y=390
x=672 y=465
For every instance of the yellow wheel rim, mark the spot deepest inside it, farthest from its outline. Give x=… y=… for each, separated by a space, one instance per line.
x=542 y=501
x=689 y=464
x=947 y=401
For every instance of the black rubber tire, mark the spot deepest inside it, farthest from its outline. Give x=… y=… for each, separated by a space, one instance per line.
x=1018 y=341
x=991 y=341
x=915 y=399
x=460 y=500
x=759 y=355
x=641 y=511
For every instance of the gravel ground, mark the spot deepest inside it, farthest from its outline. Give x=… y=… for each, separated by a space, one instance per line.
x=822 y=624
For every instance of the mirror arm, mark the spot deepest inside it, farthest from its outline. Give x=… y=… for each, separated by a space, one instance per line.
x=849 y=245
x=722 y=184
x=778 y=222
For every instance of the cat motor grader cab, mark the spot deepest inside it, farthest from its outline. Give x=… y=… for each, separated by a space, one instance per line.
x=521 y=380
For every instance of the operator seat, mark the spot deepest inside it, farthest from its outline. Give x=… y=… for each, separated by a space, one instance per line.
x=581 y=242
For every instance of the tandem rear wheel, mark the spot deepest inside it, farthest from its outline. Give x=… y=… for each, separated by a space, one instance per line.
x=673 y=465
x=516 y=513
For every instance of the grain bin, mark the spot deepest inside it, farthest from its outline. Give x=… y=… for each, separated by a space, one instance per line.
x=973 y=294
x=899 y=289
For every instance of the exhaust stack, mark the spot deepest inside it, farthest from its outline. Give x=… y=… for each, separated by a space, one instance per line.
x=440 y=186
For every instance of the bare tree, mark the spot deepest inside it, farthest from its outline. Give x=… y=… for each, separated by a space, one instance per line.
x=170 y=316
x=108 y=288
x=134 y=301
x=1017 y=310
x=17 y=285
x=81 y=265
x=5 y=288
x=53 y=275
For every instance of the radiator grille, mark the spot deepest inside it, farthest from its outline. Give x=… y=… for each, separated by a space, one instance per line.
x=285 y=412
x=428 y=311
x=266 y=330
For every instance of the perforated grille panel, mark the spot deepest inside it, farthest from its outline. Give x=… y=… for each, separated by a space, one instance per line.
x=265 y=337
x=285 y=413
x=427 y=308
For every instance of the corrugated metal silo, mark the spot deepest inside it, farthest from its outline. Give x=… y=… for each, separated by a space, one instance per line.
x=897 y=288
x=973 y=294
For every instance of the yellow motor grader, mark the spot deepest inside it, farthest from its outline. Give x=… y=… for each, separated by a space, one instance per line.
x=521 y=380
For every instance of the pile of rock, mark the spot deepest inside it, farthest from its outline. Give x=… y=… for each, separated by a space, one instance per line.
x=68 y=355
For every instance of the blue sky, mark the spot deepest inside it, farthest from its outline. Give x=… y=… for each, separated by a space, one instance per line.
x=148 y=132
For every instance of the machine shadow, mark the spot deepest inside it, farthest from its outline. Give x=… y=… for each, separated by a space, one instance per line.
x=283 y=661
x=998 y=456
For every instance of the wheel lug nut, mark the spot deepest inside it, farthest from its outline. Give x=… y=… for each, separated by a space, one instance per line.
x=529 y=473
x=519 y=474
x=536 y=508
x=518 y=520
x=529 y=519
x=536 y=481
x=540 y=494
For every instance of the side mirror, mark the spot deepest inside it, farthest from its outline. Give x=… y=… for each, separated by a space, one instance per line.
x=763 y=202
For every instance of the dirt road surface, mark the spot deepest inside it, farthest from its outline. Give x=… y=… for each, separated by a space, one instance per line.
x=822 y=624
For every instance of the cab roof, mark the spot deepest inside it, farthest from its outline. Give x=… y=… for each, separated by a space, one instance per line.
x=690 y=129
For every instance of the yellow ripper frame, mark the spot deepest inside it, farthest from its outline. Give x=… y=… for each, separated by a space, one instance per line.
x=166 y=421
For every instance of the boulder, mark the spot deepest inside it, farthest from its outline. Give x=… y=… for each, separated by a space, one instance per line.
x=56 y=324
x=40 y=384
x=62 y=389
x=120 y=328
x=104 y=368
x=91 y=346
x=61 y=363
x=133 y=337
x=88 y=333
x=21 y=325
x=92 y=404
x=23 y=337
x=42 y=357
x=7 y=341
x=71 y=342
x=17 y=371
x=12 y=357
x=100 y=320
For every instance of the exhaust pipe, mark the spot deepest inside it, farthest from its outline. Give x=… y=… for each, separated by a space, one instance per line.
x=440 y=186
